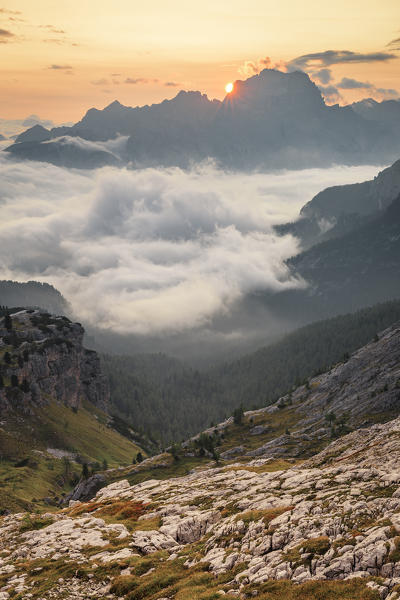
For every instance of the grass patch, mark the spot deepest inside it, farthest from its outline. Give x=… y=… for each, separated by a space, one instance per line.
x=311 y=547
x=354 y=589
x=266 y=515
x=125 y=512
x=33 y=524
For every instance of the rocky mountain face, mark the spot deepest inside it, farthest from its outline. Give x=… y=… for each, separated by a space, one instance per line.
x=55 y=412
x=337 y=210
x=42 y=358
x=355 y=269
x=350 y=235
x=271 y=120
x=250 y=526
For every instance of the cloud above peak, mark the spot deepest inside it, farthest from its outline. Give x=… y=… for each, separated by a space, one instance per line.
x=335 y=57
x=250 y=67
x=352 y=84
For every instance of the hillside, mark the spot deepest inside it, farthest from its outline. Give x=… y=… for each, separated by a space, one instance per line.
x=54 y=403
x=337 y=210
x=358 y=268
x=324 y=527
x=270 y=120
x=32 y=294
x=170 y=400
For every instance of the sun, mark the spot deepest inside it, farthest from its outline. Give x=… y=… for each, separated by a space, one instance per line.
x=229 y=87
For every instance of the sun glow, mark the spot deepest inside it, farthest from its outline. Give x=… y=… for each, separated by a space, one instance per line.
x=229 y=88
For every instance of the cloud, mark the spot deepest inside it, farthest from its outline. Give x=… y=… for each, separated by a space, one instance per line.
x=330 y=93
x=60 y=67
x=171 y=84
x=352 y=84
x=101 y=81
x=250 y=68
x=36 y=120
x=386 y=93
x=12 y=127
x=379 y=93
x=140 y=80
x=6 y=36
x=52 y=29
x=152 y=251
x=114 y=146
x=394 y=44
x=335 y=57
x=6 y=11
x=324 y=76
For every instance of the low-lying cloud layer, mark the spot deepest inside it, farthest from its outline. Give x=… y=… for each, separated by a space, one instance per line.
x=152 y=251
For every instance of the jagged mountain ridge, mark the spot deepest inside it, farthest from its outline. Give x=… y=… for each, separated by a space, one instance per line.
x=271 y=120
x=327 y=527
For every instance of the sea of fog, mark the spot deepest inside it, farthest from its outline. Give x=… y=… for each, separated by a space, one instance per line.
x=153 y=251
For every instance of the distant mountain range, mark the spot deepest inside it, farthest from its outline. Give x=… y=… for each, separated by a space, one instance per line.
x=271 y=120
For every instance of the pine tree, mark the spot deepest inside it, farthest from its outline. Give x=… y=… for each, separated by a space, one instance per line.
x=8 y=322
x=85 y=471
x=238 y=415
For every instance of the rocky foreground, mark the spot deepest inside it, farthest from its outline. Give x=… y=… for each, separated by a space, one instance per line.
x=273 y=524
x=334 y=517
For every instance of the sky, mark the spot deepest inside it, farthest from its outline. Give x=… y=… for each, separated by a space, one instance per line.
x=61 y=58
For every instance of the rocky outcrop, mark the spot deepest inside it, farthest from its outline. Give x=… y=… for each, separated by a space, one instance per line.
x=86 y=489
x=43 y=358
x=333 y=517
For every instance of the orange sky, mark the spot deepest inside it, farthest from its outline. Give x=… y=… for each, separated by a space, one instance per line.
x=142 y=52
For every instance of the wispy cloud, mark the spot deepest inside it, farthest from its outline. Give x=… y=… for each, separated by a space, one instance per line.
x=52 y=29
x=324 y=76
x=353 y=84
x=6 y=36
x=394 y=44
x=7 y=11
x=332 y=92
x=60 y=67
x=250 y=67
x=171 y=84
x=102 y=81
x=335 y=57
x=140 y=80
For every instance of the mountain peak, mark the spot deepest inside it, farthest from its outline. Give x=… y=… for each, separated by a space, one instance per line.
x=116 y=105
x=37 y=133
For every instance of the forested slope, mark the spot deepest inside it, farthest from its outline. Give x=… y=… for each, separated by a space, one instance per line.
x=163 y=397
